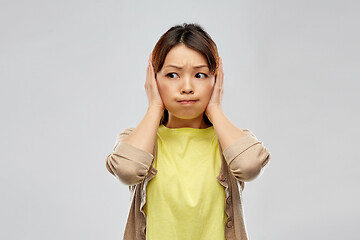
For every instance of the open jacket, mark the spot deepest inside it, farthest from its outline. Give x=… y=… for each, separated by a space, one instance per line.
x=242 y=161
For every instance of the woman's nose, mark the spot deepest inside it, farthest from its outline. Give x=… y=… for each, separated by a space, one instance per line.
x=186 y=91
x=187 y=85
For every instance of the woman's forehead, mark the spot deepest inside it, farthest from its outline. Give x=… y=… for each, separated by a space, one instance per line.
x=185 y=56
x=199 y=66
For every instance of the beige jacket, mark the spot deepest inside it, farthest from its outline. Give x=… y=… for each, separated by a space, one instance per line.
x=242 y=161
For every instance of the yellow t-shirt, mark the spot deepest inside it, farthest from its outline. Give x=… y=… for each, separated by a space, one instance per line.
x=185 y=200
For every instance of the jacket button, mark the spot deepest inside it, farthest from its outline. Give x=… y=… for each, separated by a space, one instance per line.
x=229 y=224
x=228 y=200
x=222 y=178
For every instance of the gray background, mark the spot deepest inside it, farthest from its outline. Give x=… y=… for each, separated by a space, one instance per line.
x=72 y=77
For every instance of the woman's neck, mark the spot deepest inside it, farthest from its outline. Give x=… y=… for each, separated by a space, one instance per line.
x=192 y=123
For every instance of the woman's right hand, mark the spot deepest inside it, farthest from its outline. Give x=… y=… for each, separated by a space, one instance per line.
x=151 y=87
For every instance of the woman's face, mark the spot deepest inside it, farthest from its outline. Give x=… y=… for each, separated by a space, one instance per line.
x=185 y=75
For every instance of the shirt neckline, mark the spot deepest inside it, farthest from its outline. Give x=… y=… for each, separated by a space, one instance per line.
x=186 y=130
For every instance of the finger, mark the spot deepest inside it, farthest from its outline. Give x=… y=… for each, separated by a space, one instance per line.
x=148 y=67
x=222 y=75
x=147 y=75
x=152 y=74
x=152 y=79
x=218 y=81
x=219 y=68
x=151 y=60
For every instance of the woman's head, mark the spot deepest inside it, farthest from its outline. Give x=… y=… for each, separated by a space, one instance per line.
x=186 y=46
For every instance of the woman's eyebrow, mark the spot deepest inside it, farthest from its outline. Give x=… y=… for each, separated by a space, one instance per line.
x=174 y=66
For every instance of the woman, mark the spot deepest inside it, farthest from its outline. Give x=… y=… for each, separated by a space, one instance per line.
x=186 y=163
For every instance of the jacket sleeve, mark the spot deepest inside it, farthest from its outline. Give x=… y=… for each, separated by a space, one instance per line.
x=247 y=157
x=128 y=163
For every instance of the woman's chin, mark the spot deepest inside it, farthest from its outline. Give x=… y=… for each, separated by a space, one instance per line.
x=186 y=115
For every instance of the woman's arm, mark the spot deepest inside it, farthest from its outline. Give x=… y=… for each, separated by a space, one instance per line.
x=132 y=155
x=244 y=153
x=144 y=134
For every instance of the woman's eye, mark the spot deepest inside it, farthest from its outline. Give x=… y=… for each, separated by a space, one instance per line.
x=203 y=75
x=170 y=74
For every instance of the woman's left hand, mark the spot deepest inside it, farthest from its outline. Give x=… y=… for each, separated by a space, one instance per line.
x=216 y=97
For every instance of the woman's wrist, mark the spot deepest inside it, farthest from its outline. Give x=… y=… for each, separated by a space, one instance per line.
x=156 y=110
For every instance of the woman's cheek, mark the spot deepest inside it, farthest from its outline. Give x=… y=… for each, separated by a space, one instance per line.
x=210 y=90
x=160 y=85
x=164 y=91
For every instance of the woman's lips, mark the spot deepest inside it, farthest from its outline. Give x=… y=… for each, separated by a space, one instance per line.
x=188 y=102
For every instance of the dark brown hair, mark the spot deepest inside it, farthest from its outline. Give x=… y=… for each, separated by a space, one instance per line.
x=193 y=36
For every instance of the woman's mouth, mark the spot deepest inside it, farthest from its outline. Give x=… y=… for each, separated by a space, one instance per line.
x=188 y=102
